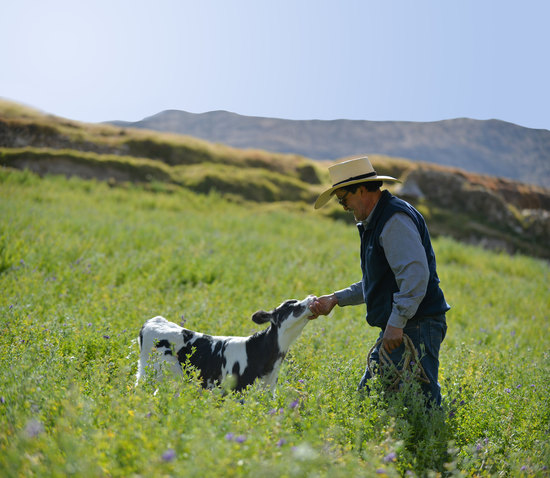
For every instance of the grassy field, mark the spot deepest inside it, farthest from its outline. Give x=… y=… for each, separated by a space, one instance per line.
x=83 y=265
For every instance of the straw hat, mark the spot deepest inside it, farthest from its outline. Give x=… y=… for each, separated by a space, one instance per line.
x=349 y=172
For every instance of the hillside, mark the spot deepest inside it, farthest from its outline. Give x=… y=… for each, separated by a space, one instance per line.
x=488 y=147
x=496 y=212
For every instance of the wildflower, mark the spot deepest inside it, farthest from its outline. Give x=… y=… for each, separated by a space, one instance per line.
x=507 y=390
x=301 y=381
x=34 y=428
x=240 y=439
x=294 y=404
x=304 y=452
x=169 y=455
x=106 y=337
x=229 y=436
x=381 y=471
x=518 y=385
x=390 y=457
x=281 y=442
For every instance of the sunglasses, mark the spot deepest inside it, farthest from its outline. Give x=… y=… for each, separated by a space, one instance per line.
x=342 y=200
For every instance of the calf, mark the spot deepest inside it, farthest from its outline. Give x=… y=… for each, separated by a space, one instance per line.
x=216 y=357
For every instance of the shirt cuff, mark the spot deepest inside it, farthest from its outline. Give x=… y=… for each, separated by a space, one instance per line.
x=352 y=295
x=397 y=320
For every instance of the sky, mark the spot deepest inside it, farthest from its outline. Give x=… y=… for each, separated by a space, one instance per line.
x=399 y=60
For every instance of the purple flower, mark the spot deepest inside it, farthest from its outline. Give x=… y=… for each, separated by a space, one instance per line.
x=507 y=390
x=381 y=471
x=390 y=457
x=229 y=436
x=106 y=337
x=294 y=404
x=2 y=400
x=169 y=455
x=240 y=439
x=519 y=385
x=34 y=428
x=281 y=442
x=301 y=381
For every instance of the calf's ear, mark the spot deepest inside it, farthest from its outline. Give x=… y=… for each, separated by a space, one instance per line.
x=261 y=317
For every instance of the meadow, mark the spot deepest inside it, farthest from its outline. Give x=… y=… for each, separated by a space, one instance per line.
x=83 y=265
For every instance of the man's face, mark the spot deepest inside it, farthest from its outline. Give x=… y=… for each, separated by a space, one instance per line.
x=353 y=202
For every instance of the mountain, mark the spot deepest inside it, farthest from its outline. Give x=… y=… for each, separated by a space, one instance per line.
x=489 y=147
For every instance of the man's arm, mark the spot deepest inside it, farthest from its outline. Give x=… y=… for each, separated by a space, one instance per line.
x=352 y=295
x=406 y=256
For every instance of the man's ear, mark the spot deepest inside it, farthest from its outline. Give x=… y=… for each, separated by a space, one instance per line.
x=261 y=317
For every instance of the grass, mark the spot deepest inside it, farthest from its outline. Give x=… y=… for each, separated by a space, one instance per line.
x=83 y=265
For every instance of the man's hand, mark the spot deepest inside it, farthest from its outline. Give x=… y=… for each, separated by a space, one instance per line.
x=323 y=305
x=393 y=337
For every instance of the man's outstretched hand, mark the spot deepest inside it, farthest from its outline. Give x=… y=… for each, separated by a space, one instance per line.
x=323 y=305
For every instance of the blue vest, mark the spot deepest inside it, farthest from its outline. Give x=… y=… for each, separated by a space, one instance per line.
x=379 y=282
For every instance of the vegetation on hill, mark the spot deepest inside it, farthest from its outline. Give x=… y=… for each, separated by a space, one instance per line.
x=498 y=213
x=83 y=265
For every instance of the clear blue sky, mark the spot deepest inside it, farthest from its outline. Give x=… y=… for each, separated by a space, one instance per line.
x=412 y=60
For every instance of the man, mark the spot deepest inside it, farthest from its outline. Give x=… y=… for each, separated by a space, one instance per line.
x=399 y=286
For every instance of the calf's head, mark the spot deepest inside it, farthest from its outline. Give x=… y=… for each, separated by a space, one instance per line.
x=289 y=318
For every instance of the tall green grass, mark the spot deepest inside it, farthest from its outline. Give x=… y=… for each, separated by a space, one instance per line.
x=83 y=265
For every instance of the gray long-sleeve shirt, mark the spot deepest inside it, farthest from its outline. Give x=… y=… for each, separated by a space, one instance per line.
x=406 y=257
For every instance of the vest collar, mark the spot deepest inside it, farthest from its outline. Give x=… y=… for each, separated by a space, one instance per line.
x=370 y=222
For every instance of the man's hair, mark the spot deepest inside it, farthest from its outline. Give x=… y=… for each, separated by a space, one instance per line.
x=370 y=186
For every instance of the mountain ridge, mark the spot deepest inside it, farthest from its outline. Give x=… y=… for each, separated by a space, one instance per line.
x=493 y=147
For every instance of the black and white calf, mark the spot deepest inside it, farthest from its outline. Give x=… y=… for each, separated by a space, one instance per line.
x=258 y=356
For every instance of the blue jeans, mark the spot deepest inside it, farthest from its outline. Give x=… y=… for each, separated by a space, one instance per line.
x=426 y=334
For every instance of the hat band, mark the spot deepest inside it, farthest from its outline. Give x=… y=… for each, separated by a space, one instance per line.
x=354 y=178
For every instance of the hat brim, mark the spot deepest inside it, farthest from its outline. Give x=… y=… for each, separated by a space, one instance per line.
x=327 y=195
